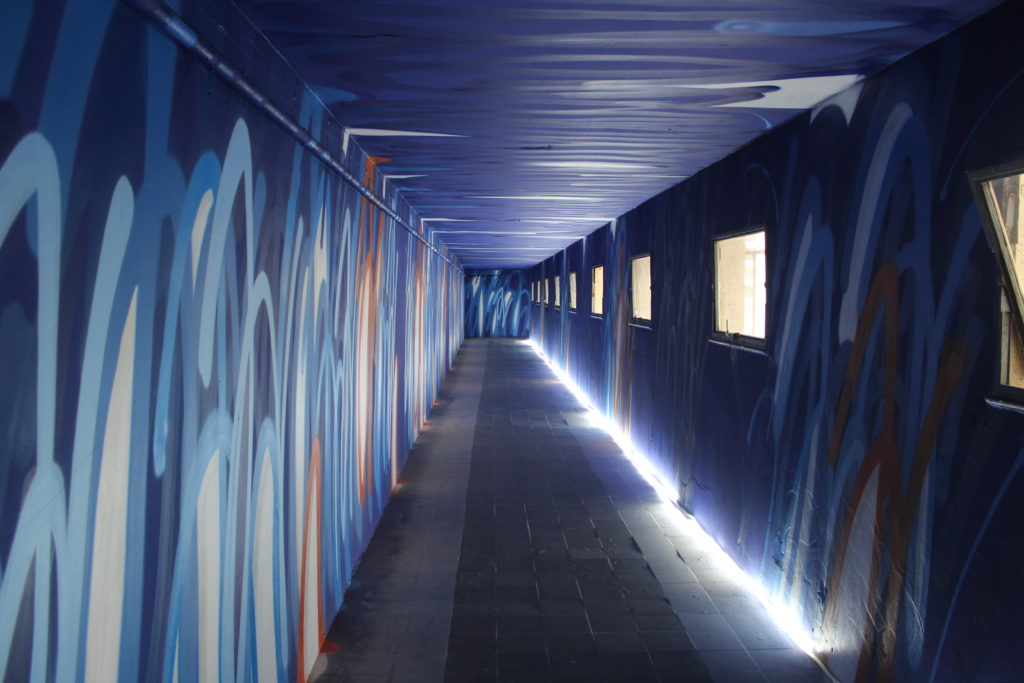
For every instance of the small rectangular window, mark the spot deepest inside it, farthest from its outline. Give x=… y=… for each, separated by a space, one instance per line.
x=1001 y=190
x=572 y=291
x=597 y=290
x=641 y=281
x=546 y=299
x=741 y=299
x=558 y=291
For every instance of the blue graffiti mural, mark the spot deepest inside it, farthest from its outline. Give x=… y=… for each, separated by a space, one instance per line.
x=497 y=303
x=858 y=467
x=216 y=356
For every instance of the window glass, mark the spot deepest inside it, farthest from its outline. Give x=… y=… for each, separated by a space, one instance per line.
x=546 y=299
x=1011 y=370
x=740 y=295
x=641 y=273
x=558 y=291
x=572 y=291
x=1003 y=198
x=597 y=290
x=1006 y=231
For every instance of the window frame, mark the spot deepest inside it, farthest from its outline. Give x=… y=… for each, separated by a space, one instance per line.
x=644 y=323
x=1007 y=284
x=735 y=339
x=558 y=292
x=573 y=290
x=547 y=296
x=593 y=269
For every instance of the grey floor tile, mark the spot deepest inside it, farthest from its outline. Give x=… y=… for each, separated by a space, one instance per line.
x=522 y=546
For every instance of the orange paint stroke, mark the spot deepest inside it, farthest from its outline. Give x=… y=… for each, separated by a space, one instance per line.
x=896 y=510
x=313 y=493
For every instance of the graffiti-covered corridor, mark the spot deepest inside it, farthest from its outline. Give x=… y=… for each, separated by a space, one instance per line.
x=455 y=340
x=571 y=565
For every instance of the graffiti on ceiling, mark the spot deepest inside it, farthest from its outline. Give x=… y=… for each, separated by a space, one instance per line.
x=516 y=127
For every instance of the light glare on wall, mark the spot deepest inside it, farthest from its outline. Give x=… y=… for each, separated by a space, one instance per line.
x=785 y=617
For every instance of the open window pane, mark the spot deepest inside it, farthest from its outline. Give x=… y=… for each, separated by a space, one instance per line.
x=558 y=291
x=1000 y=205
x=597 y=290
x=1011 y=369
x=1002 y=196
x=572 y=291
x=641 y=270
x=740 y=296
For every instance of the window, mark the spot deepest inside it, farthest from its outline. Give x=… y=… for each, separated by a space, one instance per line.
x=640 y=269
x=1000 y=191
x=597 y=290
x=558 y=291
x=572 y=291
x=741 y=299
x=1011 y=351
x=546 y=299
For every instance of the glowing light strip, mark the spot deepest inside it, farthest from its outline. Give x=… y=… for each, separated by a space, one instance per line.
x=783 y=615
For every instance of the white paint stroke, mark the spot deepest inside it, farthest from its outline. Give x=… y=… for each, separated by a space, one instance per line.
x=384 y=132
x=208 y=561
x=106 y=590
x=199 y=231
x=791 y=93
x=263 y=574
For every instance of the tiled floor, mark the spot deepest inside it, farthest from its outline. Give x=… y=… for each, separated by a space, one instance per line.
x=568 y=569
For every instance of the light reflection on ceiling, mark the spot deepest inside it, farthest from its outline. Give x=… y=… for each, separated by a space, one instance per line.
x=516 y=127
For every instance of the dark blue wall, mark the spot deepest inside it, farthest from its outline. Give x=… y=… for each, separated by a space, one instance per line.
x=855 y=468
x=497 y=303
x=214 y=354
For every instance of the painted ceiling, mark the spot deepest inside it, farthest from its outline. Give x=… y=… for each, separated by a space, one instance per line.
x=516 y=127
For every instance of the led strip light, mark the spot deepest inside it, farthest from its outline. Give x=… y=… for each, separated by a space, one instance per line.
x=784 y=616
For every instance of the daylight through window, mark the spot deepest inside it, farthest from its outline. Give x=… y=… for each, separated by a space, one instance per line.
x=740 y=295
x=1006 y=230
x=572 y=291
x=597 y=290
x=641 y=273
